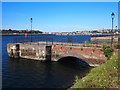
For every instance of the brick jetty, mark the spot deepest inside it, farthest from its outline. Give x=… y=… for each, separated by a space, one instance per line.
x=54 y=51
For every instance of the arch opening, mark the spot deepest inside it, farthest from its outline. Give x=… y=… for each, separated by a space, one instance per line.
x=73 y=62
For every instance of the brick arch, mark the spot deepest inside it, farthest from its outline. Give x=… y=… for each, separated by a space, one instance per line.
x=73 y=58
x=70 y=54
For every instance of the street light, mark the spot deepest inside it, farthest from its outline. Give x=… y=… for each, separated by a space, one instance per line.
x=31 y=28
x=116 y=27
x=112 y=15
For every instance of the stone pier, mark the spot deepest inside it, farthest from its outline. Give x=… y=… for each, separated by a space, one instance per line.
x=49 y=52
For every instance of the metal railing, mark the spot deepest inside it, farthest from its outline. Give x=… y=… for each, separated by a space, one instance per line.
x=63 y=40
x=51 y=39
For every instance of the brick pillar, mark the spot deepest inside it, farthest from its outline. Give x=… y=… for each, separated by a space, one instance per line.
x=48 y=53
x=17 y=54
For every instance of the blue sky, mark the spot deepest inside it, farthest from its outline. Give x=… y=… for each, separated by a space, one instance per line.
x=60 y=1
x=59 y=16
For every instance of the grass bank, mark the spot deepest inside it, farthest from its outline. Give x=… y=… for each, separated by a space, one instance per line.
x=104 y=76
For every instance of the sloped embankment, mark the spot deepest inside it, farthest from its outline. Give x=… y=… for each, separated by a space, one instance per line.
x=104 y=76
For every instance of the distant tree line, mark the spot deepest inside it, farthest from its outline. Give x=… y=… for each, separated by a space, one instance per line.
x=95 y=31
x=21 y=31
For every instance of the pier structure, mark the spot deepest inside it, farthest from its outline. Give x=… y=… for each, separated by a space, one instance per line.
x=54 y=52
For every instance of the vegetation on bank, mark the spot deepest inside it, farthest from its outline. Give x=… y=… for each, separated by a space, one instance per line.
x=104 y=76
x=107 y=50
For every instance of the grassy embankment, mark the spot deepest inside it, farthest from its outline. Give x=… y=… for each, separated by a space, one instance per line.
x=104 y=76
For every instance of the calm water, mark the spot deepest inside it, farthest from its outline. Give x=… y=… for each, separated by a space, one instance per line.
x=23 y=73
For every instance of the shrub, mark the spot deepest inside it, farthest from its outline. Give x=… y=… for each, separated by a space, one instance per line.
x=105 y=47
x=107 y=51
x=118 y=38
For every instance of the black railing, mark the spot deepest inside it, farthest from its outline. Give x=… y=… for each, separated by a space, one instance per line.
x=52 y=39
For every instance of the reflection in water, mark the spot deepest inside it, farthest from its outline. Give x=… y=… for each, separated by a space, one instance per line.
x=25 y=73
x=74 y=63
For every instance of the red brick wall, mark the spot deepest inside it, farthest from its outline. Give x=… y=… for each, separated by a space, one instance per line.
x=94 y=55
x=78 y=50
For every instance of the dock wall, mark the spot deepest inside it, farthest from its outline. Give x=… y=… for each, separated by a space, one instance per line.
x=35 y=52
x=43 y=52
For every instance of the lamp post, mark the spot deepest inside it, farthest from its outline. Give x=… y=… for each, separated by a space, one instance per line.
x=116 y=27
x=112 y=15
x=31 y=28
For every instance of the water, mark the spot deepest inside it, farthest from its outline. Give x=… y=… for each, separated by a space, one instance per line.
x=23 y=73
x=58 y=38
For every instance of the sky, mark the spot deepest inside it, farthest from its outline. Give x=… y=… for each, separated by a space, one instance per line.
x=59 y=16
x=60 y=0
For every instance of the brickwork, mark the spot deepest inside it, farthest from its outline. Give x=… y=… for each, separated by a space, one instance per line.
x=90 y=55
x=37 y=51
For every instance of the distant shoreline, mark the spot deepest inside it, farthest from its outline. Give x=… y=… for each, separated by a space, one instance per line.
x=59 y=34
x=23 y=34
x=46 y=34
